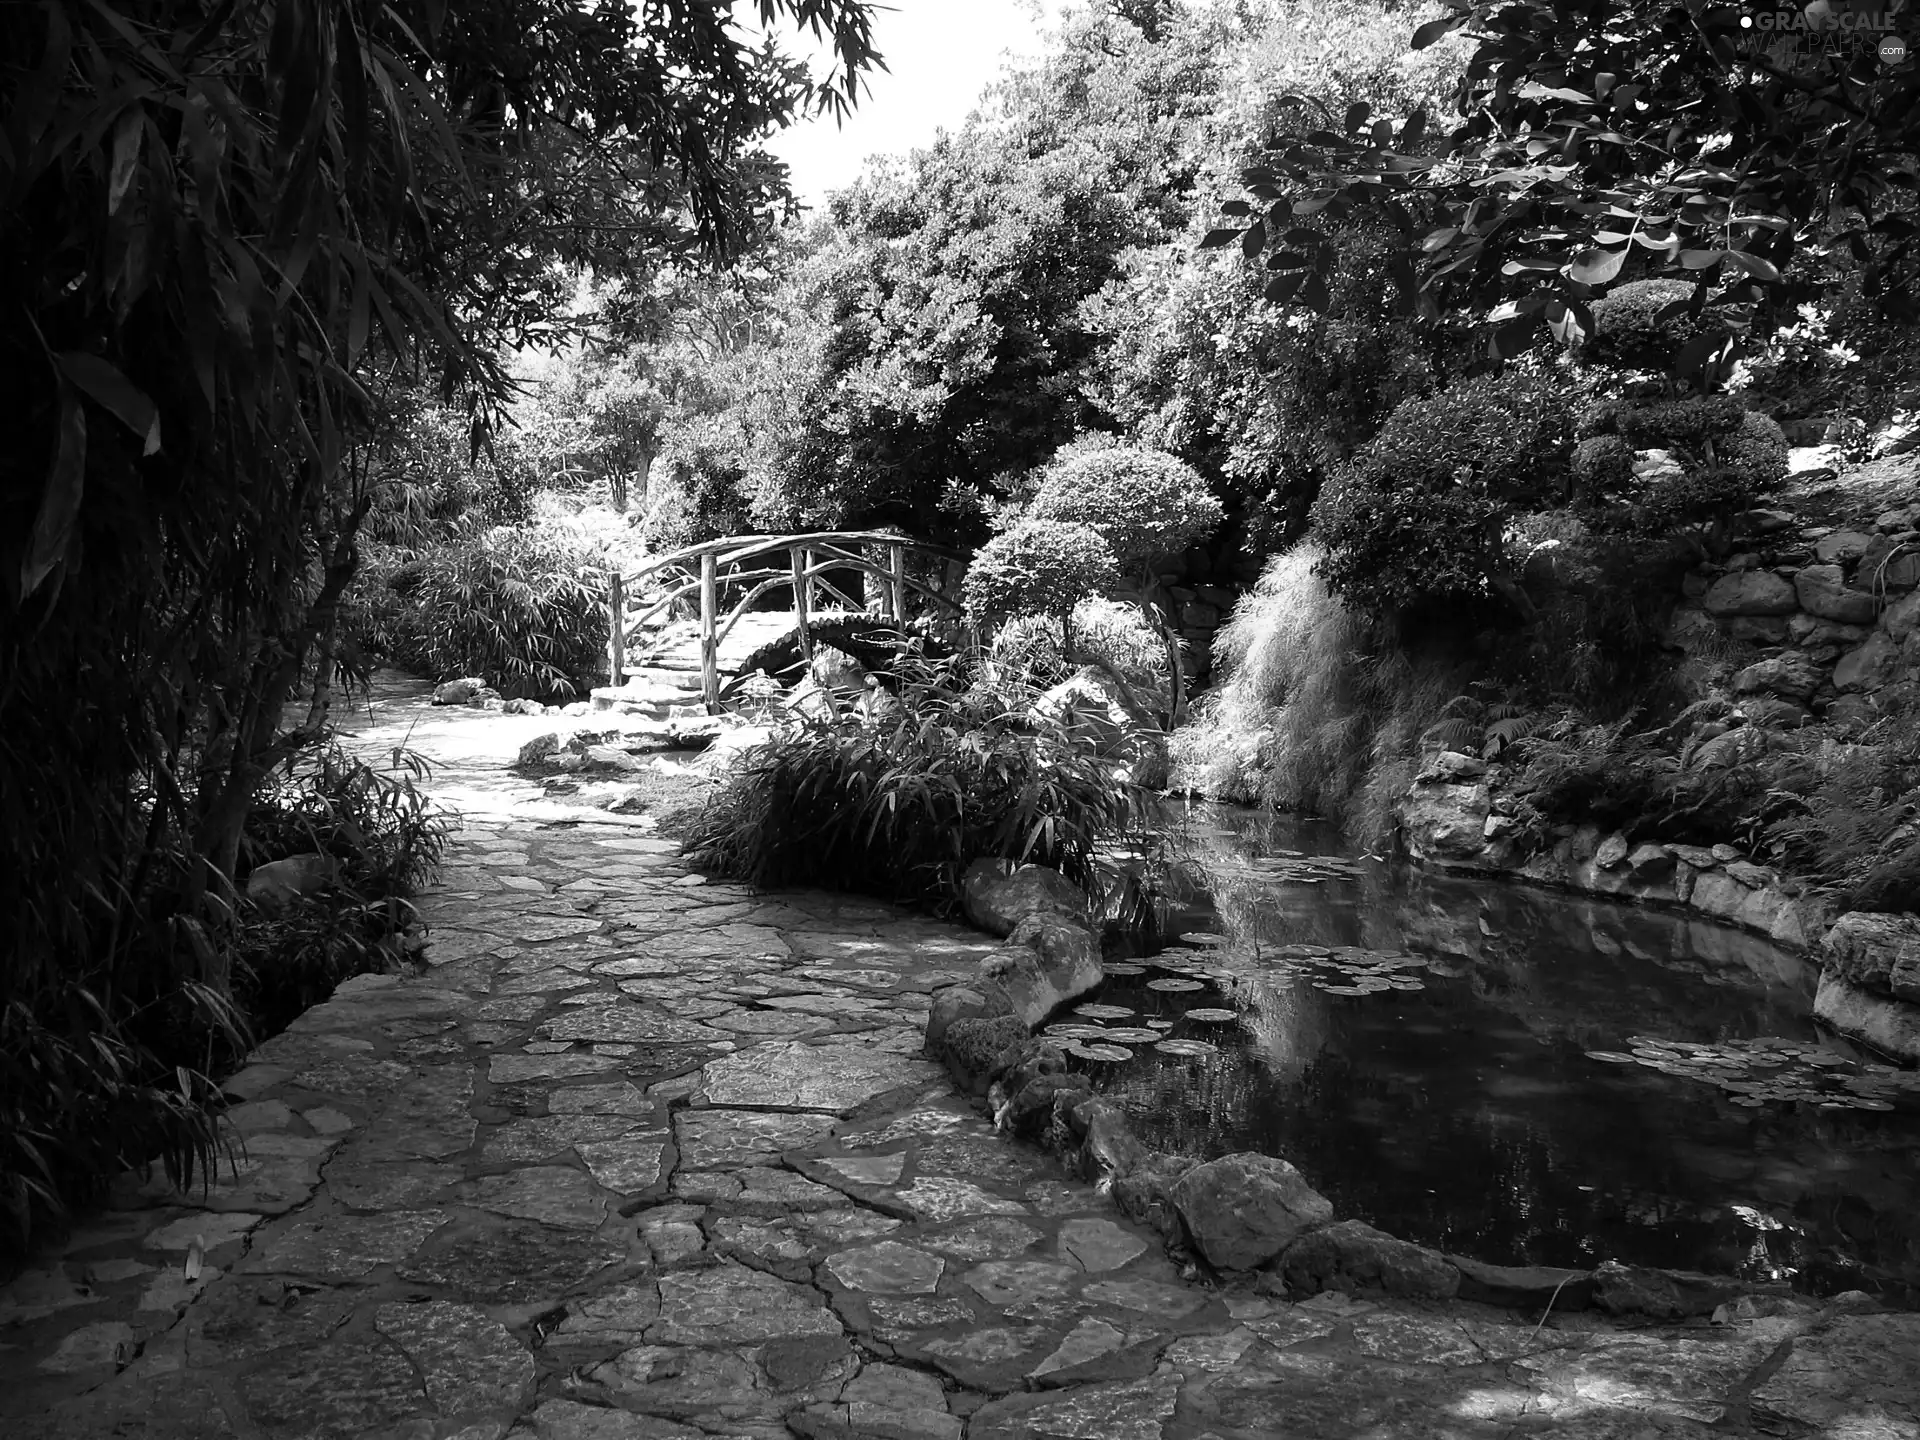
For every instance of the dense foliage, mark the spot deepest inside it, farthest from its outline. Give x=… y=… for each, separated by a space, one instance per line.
x=1421 y=512
x=230 y=231
x=1040 y=567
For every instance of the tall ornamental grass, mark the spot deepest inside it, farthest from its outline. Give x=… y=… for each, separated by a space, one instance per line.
x=1318 y=714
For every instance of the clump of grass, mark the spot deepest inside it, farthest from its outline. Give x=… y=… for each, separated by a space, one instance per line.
x=900 y=808
x=1319 y=713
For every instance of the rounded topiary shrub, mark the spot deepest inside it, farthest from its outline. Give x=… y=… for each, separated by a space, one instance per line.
x=1602 y=466
x=1142 y=502
x=1040 y=567
x=1418 y=513
x=1628 y=332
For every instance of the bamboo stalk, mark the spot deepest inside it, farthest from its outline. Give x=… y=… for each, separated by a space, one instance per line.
x=616 y=632
x=709 y=634
x=802 y=583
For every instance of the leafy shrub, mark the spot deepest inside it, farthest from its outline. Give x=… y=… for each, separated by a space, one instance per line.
x=1602 y=466
x=1627 y=330
x=1142 y=502
x=1417 y=515
x=387 y=840
x=1028 y=652
x=1040 y=567
x=1730 y=458
x=900 y=809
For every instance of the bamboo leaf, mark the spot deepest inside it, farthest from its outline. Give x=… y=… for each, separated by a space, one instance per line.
x=60 y=499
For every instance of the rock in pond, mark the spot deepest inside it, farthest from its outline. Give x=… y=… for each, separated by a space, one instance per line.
x=1354 y=1256
x=996 y=896
x=1242 y=1210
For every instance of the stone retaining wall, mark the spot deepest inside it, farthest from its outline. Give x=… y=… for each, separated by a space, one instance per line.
x=1449 y=823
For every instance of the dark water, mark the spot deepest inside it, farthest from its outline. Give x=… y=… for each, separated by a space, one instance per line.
x=1468 y=1114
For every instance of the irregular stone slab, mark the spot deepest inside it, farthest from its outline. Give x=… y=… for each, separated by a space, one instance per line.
x=512 y=1007
x=672 y=1233
x=625 y=1166
x=240 y=1318
x=792 y=1076
x=1855 y=1377
x=1669 y=1374
x=628 y=1024
x=1148 y=1296
x=344 y=1247
x=979 y=1157
x=771 y=1022
x=551 y=980
x=755 y=1189
x=1209 y=1354
x=551 y=1194
x=618 y=1098
x=104 y=1345
x=720 y=1387
x=777 y=1244
x=902 y=1321
x=1416 y=1339
x=543 y=1136
x=1057 y=1197
x=989 y=1236
x=912 y=1125
x=379 y=1184
x=1137 y=1410
x=272 y=1175
x=713 y=1139
x=335 y=1391
x=511 y=1069
x=936 y=1198
x=1306 y=1393
x=136 y=1405
x=888 y=1268
x=514 y=1263
x=732 y=1305
x=1096 y=1245
x=619 y=1317
x=994 y=1358
x=866 y=1169
x=469 y=1362
x=530 y=929
x=840 y=1227
x=1088 y=1340
x=357 y=1081
x=1009 y=1282
x=570 y=1420
x=211 y=1231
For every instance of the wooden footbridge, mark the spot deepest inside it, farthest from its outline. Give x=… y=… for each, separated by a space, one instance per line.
x=721 y=581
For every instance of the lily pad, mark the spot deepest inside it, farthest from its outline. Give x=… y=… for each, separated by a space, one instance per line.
x=1086 y=1050
x=1174 y=985
x=1212 y=1016
x=1186 y=1047
x=1103 y=1012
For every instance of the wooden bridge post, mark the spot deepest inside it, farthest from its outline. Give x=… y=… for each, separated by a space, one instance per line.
x=897 y=583
x=616 y=631
x=802 y=584
x=710 y=631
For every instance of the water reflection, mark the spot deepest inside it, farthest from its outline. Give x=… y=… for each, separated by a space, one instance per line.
x=1466 y=1112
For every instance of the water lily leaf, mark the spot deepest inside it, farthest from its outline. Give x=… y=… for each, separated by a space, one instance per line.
x=1103 y=1012
x=1086 y=1050
x=1174 y=985
x=1186 y=1047
x=1212 y=1016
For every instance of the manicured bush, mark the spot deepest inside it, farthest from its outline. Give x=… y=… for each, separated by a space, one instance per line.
x=1040 y=567
x=960 y=772
x=1418 y=514
x=1627 y=330
x=1143 y=503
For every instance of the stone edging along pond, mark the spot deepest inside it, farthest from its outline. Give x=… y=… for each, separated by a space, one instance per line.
x=1869 y=988
x=1241 y=1213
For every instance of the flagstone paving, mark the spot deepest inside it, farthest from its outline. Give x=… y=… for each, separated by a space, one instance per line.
x=659 y=1157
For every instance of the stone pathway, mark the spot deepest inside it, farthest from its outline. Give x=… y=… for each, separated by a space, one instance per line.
x=646 y=1156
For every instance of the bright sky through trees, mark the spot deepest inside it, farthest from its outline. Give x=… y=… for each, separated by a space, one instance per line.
x=940 y=55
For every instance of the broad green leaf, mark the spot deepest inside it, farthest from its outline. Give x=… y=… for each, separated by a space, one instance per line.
x=1594 y=266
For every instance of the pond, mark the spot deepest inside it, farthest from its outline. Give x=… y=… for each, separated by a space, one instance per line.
x=1505 y=1072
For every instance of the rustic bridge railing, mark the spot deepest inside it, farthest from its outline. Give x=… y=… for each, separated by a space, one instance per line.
x=804 y=562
